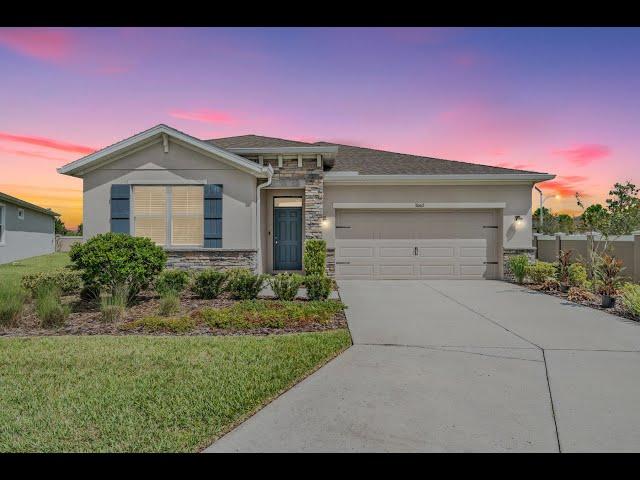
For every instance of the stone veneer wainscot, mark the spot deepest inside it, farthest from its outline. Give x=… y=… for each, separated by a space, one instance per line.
x=219 y=259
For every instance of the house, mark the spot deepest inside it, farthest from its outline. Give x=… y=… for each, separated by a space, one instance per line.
x=252 y=201
x=26 y=230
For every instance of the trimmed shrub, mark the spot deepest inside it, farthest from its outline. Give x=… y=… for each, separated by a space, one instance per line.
x=270 y=314
x=318 y=287
x=242 y=284
x=66 y=280
x=113 y=259
x=209 y=283
x=577 y=275
x=49 y=308
x=540 y=272
x=315 y=257
x=518 y=266
x=160 y=324
x=286 y=285
x=169 y=304
x=114 y=305
x=11 y=304
x=631 y=298
x=172 y=281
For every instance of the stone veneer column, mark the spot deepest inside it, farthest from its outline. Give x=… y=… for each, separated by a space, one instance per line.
x=313 y=204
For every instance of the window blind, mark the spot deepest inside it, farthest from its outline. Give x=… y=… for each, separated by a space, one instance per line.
x=187 y=215
x=150 y=213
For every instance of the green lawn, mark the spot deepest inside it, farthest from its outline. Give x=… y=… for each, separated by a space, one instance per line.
x=144 y=394
x=14 y=271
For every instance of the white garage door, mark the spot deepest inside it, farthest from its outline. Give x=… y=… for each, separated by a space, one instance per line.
x=416 y=244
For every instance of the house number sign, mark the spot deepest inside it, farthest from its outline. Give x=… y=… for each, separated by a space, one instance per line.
x=419 y=205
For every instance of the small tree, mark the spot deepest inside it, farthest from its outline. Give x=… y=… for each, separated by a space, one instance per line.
x=61 y=229
x=79 y=231
x=565 y=223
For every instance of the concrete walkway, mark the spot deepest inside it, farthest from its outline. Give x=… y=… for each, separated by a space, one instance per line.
x=461 y=366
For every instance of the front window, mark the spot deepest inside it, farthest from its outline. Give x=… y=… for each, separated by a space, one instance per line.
x=169 y=215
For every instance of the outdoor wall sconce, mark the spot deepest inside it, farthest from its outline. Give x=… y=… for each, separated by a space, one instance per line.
x=325 y=222
x=518 y=219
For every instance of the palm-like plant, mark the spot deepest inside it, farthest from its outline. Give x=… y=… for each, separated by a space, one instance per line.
x=607 y=272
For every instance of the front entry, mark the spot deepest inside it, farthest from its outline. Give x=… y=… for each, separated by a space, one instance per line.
x=287 y=238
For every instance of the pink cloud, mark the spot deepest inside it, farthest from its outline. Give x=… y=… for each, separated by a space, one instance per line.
x=204 y=115
x=29 y=154
x=564 y=186
x=47 y=142
x=45 y=44
x=584 y=154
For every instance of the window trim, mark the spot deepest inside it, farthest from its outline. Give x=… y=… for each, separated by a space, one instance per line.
x=169 y=245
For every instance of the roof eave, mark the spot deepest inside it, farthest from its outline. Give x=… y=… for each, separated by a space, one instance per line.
x=25 y=204
x=353 y=178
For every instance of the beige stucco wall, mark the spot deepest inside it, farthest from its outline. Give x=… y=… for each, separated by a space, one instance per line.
x=152 y=164
x=516 y=197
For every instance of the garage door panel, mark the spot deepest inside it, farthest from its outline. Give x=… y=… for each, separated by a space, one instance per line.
x=356 y=252
x=473 y=251
x=399 y=251
x=357 y=271
x=430 y=245
x=437 y=252
x=472 y=270
x=437 y=270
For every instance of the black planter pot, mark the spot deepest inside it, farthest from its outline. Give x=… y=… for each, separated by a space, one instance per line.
x=564 y=288
x=608 y=301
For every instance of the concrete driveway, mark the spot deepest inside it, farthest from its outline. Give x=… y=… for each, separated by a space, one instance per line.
x=461 y=366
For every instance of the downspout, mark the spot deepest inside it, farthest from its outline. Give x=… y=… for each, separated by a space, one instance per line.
x=269 y=171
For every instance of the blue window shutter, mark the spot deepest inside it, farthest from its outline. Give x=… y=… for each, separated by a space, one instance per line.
x=120 y=200
x=213 y=216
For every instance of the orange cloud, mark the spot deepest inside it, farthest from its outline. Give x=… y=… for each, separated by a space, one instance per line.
x=583 y=154
x=44 y=44
x=204 y=115
x=47 y=142
x=565 y=186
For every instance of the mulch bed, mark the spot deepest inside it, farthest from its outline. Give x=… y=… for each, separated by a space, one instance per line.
x=617 y=310
x=85 y=319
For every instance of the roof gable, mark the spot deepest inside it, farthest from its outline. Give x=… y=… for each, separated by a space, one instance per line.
x=147 y=137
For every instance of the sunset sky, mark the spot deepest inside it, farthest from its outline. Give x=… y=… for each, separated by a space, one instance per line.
x=564 y=101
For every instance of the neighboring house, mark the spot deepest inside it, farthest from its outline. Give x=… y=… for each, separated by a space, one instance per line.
x=26 y=230
x=252 y=201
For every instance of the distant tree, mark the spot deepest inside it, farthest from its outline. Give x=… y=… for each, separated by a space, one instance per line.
x=79 y=231
x=60 y=227
x=594 y=217
x=565 y=223
x=624 y=208
x=548 y=222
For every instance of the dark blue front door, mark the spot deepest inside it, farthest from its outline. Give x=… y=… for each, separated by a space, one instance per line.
x=287 y=238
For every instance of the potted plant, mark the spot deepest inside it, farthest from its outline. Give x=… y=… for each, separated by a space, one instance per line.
x=607 y=273
x=563 y=270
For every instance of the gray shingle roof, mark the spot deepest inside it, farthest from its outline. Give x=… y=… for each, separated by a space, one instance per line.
x=256 y=141
x=368 y=161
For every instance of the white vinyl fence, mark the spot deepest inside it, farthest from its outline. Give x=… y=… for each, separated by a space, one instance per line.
x=624 y=247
